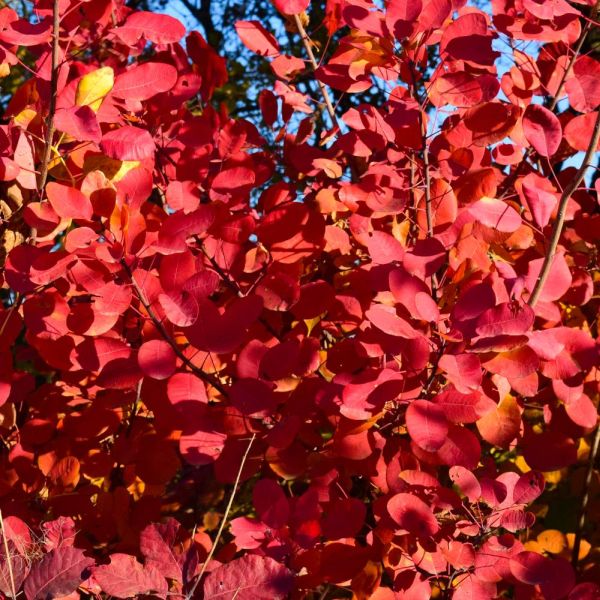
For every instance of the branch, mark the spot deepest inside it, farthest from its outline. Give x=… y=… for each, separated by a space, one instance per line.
x=165 y=335
x=8 y=559
x=575 y=56
x=53 y=92
x=313 y=61
x=190 y=594
x=512 y=177
x=560 y=216
x=585 y=498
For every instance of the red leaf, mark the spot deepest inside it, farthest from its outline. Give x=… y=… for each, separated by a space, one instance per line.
x=558 y=282
x=161 y=545
x=463 y=370
x=68 y=202
x=141 y=82
x=549 y=9
x=542 y=129
x=413 y=515
x=386 y=319
x=79 y=122
x=583 y=87
x=186 y=387
x=24 y=33
x=461 y=448
x=57 y=573
x=215 y=332
x=496 y=214
x=128 y=143
x=528 y=487
x=157 y=359
x=250 y=577
x=125 y=577
x=556 y=577
x=256 y=38
x=156 y=28
x=541 y=202
x=291 y=7
x=426 y=424
x=181 y=308
x=501 y=425
x=401 y=15
x=271 y=504
x=505 y=319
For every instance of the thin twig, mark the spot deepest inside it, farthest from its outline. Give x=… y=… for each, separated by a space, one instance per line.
x=561 y=214
x=569 y=68
x=190 y=594
x=8 y=560
x=165 y=335
x=313 y=61
x=51 y=109
x=585 y=498
x=53 y=92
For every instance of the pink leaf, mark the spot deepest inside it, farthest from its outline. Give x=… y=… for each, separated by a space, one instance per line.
x=256 y=38
x=291 y=7
x=141 y=82
x=161 y=546
x=181 y=308
x=505 y=319
x=386 y=319
x=463 y=370
x=558 y=282
x=79 y=122
x=69 y=202
x=157 y=359
x=57 y=573
x=542 y=129
x=156 y=28
x=461 y=448
x=496 y=214
x=413 y=515
x=541 y=202
x=128 y=143
x=555 y=577
x=250 y=577
x=427 y=425
x=401 y=15
x=583 y=87
x=125 y=577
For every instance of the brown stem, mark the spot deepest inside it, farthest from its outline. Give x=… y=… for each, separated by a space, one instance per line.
x=11 y=576
x=506 y=186
x=165 y=335
x=313 y=61
x=565 y=75
x=585 y=498
x=190 y=594
x=561 y=214
x=428 y=214
x=53 y=92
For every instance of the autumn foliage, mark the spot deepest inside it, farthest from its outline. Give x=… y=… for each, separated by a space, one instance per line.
x=331 y=354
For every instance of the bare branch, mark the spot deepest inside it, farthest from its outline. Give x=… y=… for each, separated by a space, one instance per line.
x=190 y=595
x=560 y=216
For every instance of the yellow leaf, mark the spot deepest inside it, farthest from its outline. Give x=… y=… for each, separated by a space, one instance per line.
x=584 y=548
x=533 y=546
x=552 y=541
x=114 y=170
x=24 y=118
x=522 y=465
x=93 y=88
x=553 y=476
